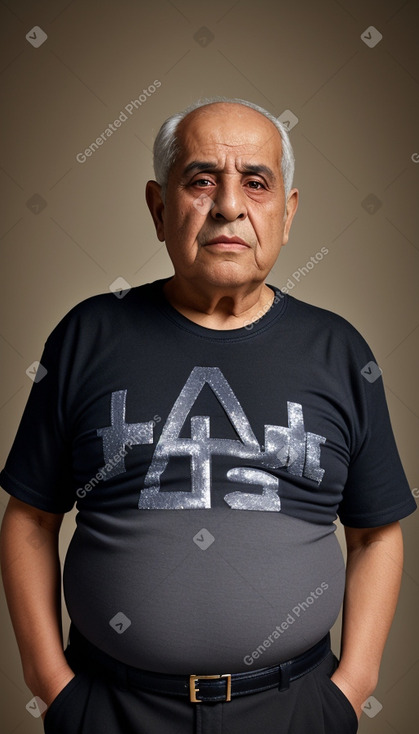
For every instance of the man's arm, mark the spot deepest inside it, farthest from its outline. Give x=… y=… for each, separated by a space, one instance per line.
x=373 y=576
x=32 y=581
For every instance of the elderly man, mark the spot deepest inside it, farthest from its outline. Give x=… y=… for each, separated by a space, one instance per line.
x=210 y=428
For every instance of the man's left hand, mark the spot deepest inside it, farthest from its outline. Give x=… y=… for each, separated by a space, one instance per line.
x=355 y=696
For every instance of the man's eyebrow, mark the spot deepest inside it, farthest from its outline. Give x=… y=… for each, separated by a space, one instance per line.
x=253 y=168
x=199 y=166
x=259 y=169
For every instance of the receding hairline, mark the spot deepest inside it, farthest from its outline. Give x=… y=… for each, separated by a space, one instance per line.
x=205 y=109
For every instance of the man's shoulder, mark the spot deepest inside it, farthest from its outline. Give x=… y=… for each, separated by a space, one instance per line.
x=109 y=307
x=321 y=321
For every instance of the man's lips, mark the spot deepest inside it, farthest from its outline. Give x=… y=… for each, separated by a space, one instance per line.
x=227 y=243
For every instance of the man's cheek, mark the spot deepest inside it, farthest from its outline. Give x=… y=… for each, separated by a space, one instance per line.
x=203 y=204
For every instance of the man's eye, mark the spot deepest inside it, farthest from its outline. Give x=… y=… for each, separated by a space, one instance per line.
x=255 y=185
x=202 y=182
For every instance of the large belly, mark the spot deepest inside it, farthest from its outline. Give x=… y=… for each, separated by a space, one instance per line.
x=203 y=591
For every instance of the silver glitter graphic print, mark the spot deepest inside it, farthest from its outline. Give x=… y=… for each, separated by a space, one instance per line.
x=289 y=448
x=119 y=435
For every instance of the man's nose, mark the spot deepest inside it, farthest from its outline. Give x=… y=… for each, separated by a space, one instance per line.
x=229 y=201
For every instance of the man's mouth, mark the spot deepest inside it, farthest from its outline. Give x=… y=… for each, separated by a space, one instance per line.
x=227 y=243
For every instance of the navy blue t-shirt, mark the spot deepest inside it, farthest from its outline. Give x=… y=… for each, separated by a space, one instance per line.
x=261 y=436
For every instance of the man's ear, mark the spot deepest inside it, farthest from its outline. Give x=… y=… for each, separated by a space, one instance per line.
x=291 y=208
x=156 y=205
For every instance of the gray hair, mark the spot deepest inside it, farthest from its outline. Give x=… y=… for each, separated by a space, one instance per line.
x=166 y=146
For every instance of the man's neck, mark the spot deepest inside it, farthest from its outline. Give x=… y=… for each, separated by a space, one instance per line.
x=219 y=308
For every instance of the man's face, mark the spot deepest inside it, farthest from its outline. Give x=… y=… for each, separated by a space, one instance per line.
x=225 y=218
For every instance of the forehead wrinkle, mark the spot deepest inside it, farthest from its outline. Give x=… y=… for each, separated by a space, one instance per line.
x=186 y=130
x=258 y=147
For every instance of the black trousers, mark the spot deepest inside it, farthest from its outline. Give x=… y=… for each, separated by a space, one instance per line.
x=93 y=704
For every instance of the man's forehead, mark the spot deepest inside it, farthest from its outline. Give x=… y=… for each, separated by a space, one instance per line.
x=228 y=131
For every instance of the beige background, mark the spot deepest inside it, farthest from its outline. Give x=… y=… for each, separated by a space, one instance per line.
x=358 y=117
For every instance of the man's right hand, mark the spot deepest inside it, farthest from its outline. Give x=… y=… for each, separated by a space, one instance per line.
x=48 y=690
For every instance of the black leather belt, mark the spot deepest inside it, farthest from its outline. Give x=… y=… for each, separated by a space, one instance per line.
x=199 y=688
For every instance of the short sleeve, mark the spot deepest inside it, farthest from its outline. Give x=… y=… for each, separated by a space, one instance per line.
x=38 y=468
x=376 y=491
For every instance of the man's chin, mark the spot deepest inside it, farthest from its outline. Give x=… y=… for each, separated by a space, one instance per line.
x=229 y=274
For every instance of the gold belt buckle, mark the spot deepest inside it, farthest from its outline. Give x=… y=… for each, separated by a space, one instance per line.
x=193 y=690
